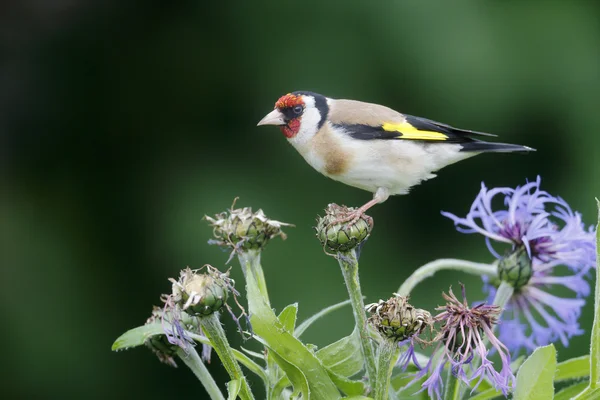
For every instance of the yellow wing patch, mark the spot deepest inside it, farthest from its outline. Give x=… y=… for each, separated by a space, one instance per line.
x=408 y=131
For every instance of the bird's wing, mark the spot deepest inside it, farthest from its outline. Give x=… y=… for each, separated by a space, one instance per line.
x=410 y=128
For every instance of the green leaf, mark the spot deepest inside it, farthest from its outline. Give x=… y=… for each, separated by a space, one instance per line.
x=251 y=365
x=343 y=357
x=233 y=388
x=574 y=368
x=402 y=379
x=357 y=398
x=306 y=324
x=589 y=394
x=487 y=395
x=571 y=391
x=137 y=336
x=536 y=375
x=348 y=386
x=303 y=368
x=294 y=374
x=281 y=384
x=288 y=317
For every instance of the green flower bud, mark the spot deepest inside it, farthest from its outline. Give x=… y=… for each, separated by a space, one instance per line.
x=242 y=229
x=516 y=268
x=397 y=320
x=342 y=236
x=200 y=294
x=161 y=345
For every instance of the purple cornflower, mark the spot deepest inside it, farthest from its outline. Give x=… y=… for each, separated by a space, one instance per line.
x=554 y=237
x=460 y=340
x=544 y=234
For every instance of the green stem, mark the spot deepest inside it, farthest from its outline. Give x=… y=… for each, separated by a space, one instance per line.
x=453 y=389
x=594 y=387
x=429 y=269
x=214 y=332
x=595 y=345
x=193 y=361
x=503 y=295
x=250 y=262
x=349 y=266
x=386 y=358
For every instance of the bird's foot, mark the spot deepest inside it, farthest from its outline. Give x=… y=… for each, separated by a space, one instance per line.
x=348 y=219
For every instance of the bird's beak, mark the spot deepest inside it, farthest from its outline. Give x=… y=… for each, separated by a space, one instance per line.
x=275 y=117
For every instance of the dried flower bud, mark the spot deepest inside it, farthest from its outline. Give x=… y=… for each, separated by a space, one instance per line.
x=243 y=229
x=397 y=320
x=159 y=343
x=200 y=293
x=516 y=268
x=341 y=236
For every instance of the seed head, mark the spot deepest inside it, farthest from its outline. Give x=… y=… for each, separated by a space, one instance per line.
x=241 y=229
x=342 y=237
x=397 y=320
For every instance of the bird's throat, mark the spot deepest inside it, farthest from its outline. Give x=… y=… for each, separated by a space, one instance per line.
x=291 y=128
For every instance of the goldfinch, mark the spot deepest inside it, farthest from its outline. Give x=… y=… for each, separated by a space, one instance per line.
x=372 y=147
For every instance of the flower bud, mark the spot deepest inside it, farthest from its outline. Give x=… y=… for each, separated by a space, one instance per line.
x=342 y=236
x=200 y=294
x=397 y=320
x=159 y=344
x=516 y=268
x=242 y=229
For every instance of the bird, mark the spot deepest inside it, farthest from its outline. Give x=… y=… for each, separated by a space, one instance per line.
x=373 y=147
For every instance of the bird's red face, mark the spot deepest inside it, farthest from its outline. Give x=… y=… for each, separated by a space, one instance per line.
x=292 y=107
x=287 y=114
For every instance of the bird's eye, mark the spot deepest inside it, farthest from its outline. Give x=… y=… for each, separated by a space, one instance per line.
x=298 y=110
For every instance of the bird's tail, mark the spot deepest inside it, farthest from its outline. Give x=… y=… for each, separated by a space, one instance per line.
x=489 y=147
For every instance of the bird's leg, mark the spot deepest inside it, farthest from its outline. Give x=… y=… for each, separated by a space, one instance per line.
x=380 y=196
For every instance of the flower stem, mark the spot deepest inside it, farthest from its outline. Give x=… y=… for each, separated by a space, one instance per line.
x=214 y=332
x=429 y=269
x=388 y=352
x=193 y=361
x=594 y=385
x=453 y=390
x=503 y=294
x=250 y=262
x=349 y=266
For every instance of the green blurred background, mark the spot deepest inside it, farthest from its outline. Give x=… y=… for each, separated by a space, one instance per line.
x=123 y=123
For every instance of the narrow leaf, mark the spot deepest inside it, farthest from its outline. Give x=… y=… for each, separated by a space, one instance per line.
x=251 y=365
x=288 y=317
x=137 y=336
x=306 y=324
x=303 y=368
x=343 y=357
x=574 y=368
x=233 y=388
x=536 y=375
x=357 y=398
x=348 y=386
x=294 y=374
x=487 y=395
x=571 y=391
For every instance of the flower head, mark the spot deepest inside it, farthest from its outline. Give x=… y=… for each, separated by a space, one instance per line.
x=241 y=229
x=339 y=236
x=460 y=339
x=531 y=218
x=397 y=320
x=544 y=235
x=201 y=293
